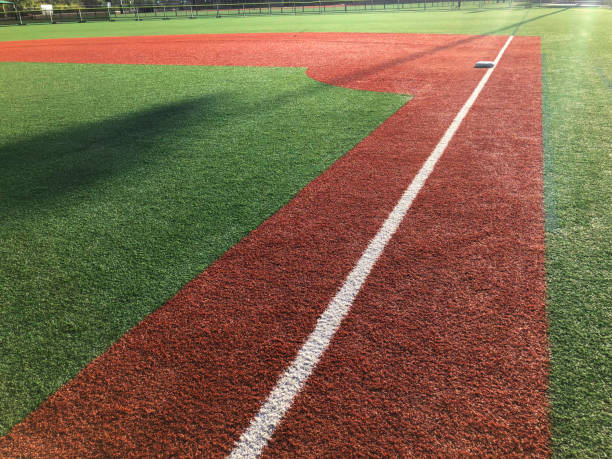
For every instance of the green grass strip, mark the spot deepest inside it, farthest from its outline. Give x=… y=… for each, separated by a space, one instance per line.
x=409 y=20
x=578 y=184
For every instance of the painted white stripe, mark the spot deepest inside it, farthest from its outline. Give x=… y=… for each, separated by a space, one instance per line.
x=263 y=425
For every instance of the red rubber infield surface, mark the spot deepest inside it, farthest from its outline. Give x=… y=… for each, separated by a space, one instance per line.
x=444 y=351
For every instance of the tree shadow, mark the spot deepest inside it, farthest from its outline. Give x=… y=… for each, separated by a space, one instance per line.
x=53 y=164
x=517 y=25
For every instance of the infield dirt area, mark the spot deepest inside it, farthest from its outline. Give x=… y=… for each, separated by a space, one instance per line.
x=444 y=351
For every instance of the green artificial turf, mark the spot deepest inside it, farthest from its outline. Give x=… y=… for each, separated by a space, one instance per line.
x=120 y=183
x=409 y=20
x=577 y=73
x=578 y=184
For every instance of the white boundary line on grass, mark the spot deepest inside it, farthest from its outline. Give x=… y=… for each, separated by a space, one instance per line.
x=263 y=425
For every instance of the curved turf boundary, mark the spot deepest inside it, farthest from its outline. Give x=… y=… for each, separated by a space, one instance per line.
x=445 y=350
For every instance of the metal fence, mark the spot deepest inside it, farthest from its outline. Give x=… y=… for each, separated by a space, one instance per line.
x=244 y=8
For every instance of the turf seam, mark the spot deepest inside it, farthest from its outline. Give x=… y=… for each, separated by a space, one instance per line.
x=550 y=199
x=603 y=78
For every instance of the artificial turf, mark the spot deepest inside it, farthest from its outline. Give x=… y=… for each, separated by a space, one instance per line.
x=577 y=76
x=121 y=183
x=578 y=143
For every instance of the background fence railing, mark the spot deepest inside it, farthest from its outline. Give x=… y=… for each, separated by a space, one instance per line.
x=243 y=8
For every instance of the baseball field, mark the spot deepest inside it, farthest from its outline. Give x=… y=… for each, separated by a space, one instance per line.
x=308 y=235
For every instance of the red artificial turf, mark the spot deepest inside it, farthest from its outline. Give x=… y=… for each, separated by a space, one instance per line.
x=444 y=351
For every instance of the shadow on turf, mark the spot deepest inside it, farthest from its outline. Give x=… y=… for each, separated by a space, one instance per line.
x=52 y=164
x=42 y=169
x=402 y=60
x=517 y=25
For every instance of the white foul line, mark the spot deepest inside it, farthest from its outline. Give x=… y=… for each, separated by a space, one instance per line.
x=263 y=425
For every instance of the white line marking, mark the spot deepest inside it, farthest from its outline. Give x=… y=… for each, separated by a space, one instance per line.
x=263 y=425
